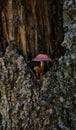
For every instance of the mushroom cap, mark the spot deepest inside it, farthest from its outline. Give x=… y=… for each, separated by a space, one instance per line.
x=41 y=57
x=37 y=68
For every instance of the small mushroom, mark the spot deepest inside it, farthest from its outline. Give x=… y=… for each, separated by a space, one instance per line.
x=37 y=69
x=41 y=58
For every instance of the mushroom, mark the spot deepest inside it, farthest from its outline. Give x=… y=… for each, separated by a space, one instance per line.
x=41 y=58
x=37 y=69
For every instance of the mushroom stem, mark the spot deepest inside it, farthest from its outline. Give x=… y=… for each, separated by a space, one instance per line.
x=42 y=66
x=37 y=73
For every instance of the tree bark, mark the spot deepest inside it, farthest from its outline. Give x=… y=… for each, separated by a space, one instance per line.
x=22 y=32
x=47 y=28
x=4 y=27
x=35 y=24
x=39 y=26
x=10 y=20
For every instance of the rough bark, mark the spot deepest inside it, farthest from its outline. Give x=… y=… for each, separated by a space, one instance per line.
x=48 y=103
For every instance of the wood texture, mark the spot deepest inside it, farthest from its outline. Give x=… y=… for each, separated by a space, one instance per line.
x=35 y=26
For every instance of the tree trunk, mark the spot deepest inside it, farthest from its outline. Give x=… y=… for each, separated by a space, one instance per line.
x=38 y=26
x=47 y=29
x=35 y=24
x=4 y=26
x=22 y=32
x=10 y=20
